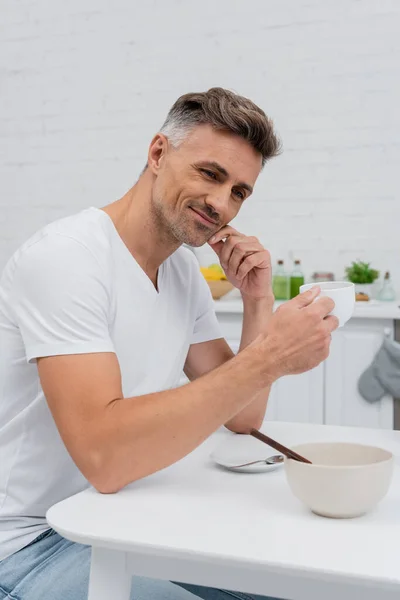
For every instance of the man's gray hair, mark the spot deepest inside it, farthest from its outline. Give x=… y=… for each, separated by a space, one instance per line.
x=224 y=110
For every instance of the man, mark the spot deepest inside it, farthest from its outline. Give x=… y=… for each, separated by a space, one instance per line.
x=99 y=314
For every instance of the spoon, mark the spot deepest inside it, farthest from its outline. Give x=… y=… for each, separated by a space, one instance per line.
x=271 y=460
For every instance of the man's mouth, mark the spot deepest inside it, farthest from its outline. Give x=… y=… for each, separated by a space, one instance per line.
x=203 y=216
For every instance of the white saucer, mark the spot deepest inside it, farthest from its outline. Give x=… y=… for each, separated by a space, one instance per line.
x=240 y=449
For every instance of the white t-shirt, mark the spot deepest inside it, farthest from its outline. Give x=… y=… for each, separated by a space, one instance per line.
x=75 y=288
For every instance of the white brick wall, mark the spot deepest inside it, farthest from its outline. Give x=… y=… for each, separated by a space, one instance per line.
x=85 y=84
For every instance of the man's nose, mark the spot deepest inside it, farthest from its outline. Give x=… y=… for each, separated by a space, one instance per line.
x=218 y=203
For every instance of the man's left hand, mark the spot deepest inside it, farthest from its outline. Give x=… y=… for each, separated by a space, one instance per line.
x=247 y=264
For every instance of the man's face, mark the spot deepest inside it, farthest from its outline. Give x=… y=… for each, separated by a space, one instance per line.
x=200 y=186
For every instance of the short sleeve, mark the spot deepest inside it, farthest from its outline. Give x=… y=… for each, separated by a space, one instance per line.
x=206 y=325
x=61 y=299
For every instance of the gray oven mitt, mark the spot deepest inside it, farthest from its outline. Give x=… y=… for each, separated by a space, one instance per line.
x=383 y=375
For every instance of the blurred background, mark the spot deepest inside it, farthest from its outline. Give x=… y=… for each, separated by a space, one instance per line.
x=86 y=84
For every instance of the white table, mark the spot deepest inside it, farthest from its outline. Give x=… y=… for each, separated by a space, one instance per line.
x=197 y=523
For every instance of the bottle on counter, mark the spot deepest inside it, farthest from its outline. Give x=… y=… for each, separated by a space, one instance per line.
x=296 y=279
x=281 y=282
x=322 y=276
x=387 y=293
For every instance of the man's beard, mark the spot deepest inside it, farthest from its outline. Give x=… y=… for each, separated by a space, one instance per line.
x=189 y=232
x=184 y=229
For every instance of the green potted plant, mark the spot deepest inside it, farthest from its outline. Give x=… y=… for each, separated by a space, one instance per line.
x=363 y=276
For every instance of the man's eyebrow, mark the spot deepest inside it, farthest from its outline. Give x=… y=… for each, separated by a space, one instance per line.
x=225 y=173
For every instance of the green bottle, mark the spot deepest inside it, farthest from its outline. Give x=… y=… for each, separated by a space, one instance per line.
x=296 y=279
x=281 y=282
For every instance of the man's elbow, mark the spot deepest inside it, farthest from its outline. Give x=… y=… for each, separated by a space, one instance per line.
x=101 y=473
x=103 y=486
x=243 y=426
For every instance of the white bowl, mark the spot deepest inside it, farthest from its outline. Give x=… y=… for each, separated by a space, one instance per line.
x=345 y=480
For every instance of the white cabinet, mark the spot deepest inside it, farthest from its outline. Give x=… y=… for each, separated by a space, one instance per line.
x=298 y=398
x=352 y=350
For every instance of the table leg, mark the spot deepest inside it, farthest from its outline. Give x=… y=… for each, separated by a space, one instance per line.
x=109 y=575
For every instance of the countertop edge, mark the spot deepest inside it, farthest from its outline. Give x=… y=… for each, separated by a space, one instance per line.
x=363 y=310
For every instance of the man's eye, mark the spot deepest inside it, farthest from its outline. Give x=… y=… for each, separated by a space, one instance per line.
x=239 y=194
x=210 y=174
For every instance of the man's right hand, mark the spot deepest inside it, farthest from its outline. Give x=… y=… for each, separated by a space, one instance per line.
x=299 y=334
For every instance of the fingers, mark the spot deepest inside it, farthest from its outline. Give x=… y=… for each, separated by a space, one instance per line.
x=322 y=307
x=331 y=323
x=306 y=298
x=247 y=265
x=228 y=247
x=223 y=233
x=236 y=249
x=217 y=247
x=216 y=241
x=241 y=249
x=237 y=257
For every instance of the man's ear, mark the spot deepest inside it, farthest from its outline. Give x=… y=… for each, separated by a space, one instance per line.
x=157 y=151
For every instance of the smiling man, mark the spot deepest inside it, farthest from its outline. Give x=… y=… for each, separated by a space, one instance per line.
x=99 y=314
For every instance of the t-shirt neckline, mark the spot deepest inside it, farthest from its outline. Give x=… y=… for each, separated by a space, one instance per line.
x=130 y=259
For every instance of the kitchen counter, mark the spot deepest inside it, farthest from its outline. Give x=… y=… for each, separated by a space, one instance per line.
x=363 y=310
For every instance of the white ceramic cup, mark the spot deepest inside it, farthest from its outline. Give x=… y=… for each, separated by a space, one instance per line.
x=342 y=293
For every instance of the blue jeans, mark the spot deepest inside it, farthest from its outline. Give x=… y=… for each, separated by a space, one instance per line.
x=53 y=568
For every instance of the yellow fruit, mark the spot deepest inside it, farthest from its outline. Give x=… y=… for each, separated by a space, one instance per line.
x=209 y=274
x=216 y=267
x=212 y=274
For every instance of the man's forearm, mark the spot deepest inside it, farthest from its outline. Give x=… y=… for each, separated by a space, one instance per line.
x=138 y=436
x=116 y=440
x=256 y=316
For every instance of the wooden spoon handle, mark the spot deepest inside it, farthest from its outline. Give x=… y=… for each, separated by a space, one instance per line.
x=286 y=451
